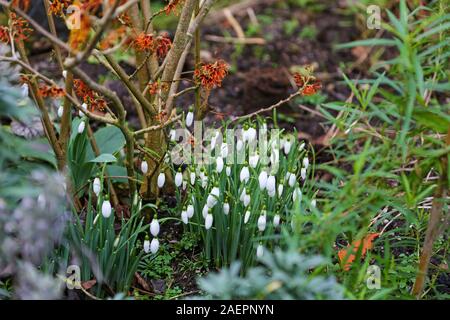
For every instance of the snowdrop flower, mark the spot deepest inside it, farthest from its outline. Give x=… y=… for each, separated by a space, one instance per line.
x=242 y=195
x=173 y=135
x=228 y=171
x=287 y=146
x=274 y=157
x=259 y=251
x=205 y=180
x=262 y=180
x=276 y=220
x=271 y=193
x=106 y=209
x=184 y=184
x=301 y=147
x=154 y=227
x=219 y=164
x=81 y=127
x=247 y=216
x=262 y=222
x=292 y=179
x=245 y=174
x=190 y=211
x=271 y=182
x=253 y=160
x=192 y=176
x=280 y=189
x=313 y=203
x=245 y=133
x=251 y=134
x=64 y=74
x=84 y=107
x=297 y=194
x=154 y=245
x=208 y=221
x=24 y=90
x=303 y=173
x=190 y=117
x=96 y=186
x=246 y=199
x=239 y=145
x=147 y=244
x=224 y=149
x=205 y=211
x=60 y=111
x=178 y=178
x=161 y=179
x=144 y=167
x=226 y=208
x=212 y=197
x=305 y=162
x=184 y=217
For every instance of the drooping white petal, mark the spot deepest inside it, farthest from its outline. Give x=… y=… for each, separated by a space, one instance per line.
x=246 y=217
x=190 y=211
x=24 y=90
x=271 y=183
x=297 y=194
x=96 y=186
x=81 y=127
x=253 y=160
x=161 y=179
x=64 y=74
x=239 y=145
x=184 y=217
x=245 y=174
x=226 y=208
x=292 y=179
x=219 y=164
x=305 y=162
x=313 y=203
x=146 y=246
x=262 y=222
x=144 y=167
x=154 y=245
x=276 y=220
x=208 y=221
x=106 y=209
x=259 y=251
x=189 y=118
x=154 y=227
x=224 y=150
x=287 y=147
x=246 y=200
x=303 y=173
x=60 y=111
x=84 y=107
x=271 y=193
x=205 y=211
x=192 y=178
x=173 y=135
x=178 y=179
x=280 y=189
x=228 y=171
x=262 y=180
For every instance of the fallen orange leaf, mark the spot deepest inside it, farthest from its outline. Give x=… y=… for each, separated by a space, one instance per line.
x=347 y=259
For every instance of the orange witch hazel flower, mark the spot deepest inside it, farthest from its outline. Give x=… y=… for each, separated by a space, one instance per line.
x=57 y=7
x=172 y=6
x=19 y=27
x=4 y=34
x=309 y=85
x=211 y=75
x=147 y=42
x=50 y=92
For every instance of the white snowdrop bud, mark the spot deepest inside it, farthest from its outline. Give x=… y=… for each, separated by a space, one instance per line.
x=173 y=135
x=228 y=171
x=144 y=167
x=246 y=200
x=60 y=111
x=184 y=184
x=146 y=245
x=253 y=160
x=251 y=134
x=106 y=209
x=224 y=150
x=154 y=227
x=271 y=183
x=213 y=142
x=81 y=127
x=205 y=211
x=190 y=211
x=242 y=195
x=245 y=133
x=239 y=145
x=262 y=180
x=154 y=245
x=204 y=181
x=96 y=186
x=161 y=179
x=245 y=174
x=276 y=220
x=64 y=74
x=192 y=178
x=189 y=118
x=184 y=217
x=116 y=242
x=301 y=147
x=212 y=197
x=303 y=173
x=287 y=146
x=24 y=90
x=226 y=208
x=280 y=190
x=292 y=179
x=84 y=107
x=219 y=164
x=247 y=216
x=313 y=203
x=305 y=162
x=208 y=221
x=297 y=194
x=178 y=178
x=259 y=251
x=262 y=222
